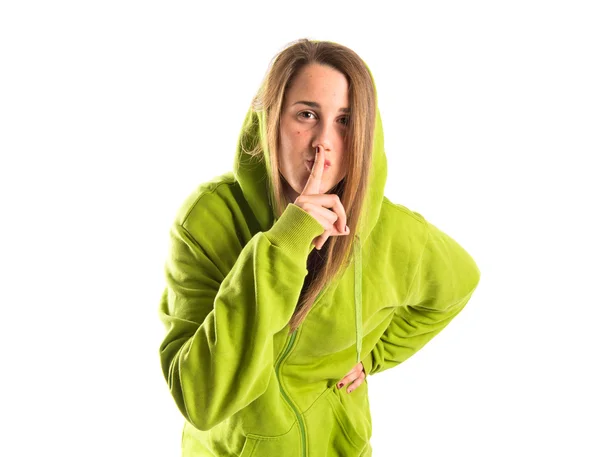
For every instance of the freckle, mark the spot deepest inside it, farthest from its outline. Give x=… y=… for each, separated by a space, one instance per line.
x=298 y=132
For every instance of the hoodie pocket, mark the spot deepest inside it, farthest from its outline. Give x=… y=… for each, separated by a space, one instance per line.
x=332 y=429
x=267 y=446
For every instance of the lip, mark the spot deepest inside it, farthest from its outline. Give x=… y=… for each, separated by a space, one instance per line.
x=311 y=162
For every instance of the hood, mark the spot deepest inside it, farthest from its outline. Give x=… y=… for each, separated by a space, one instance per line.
x=252 y=175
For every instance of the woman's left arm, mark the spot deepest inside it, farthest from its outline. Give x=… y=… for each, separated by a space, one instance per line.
x=444 y=280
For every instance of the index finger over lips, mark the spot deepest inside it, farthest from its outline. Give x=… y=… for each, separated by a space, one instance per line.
x=313 y=184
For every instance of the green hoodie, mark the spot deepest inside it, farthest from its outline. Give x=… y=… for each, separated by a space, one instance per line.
x=234 y=274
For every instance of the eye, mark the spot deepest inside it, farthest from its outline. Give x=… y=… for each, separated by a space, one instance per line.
x=345 y=120
x=302 y=113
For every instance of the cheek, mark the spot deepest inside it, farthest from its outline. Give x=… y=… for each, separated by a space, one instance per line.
x=287 y=142
x=293 y=143
x=296 y=140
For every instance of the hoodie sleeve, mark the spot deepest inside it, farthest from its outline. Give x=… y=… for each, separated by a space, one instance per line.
x=444 y=280
x=217 y=356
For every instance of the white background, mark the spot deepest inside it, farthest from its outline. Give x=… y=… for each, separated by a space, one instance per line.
x=112 y=112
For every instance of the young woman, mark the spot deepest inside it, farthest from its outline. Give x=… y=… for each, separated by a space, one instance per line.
x=293 y=277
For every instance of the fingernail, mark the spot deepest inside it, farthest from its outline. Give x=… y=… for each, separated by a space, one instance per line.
x=350 y=390
x=340 y=385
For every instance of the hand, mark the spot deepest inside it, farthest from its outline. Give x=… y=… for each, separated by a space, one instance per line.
x=356 y=376
x=316 y=204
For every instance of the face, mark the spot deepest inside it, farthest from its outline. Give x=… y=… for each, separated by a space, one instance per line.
x=315 y=112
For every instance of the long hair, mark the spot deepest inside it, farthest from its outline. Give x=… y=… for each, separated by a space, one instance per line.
x=334 y=257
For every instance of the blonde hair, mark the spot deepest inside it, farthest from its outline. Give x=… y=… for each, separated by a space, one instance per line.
x=359 y=143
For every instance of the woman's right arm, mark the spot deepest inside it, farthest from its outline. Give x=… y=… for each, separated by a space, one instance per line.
x=217 y=355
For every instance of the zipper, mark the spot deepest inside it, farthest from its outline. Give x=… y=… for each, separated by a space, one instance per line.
x=285 y=396
x=288 y=348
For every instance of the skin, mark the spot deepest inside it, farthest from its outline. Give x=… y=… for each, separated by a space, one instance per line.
x=304 y=127
x=314 y=118
x=354 y=378
x=308 y=131
x=325 y=208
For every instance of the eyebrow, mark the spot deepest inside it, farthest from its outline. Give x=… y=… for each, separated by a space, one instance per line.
x=316 y=105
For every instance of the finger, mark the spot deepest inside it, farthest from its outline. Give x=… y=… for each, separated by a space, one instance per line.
x=326 y=217
x=338 y=208
x=321 y=239
x=357 y=382
x=351 y=375
x=329 y=201
x=313 y=184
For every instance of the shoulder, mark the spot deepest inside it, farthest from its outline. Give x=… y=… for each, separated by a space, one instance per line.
x=400 y=230
x=210 y=212
x=203 y=196
x=401 y=219
x=396 y=244
x=401 y=210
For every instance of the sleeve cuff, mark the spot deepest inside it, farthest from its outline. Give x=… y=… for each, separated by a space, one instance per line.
x=367 y=363
x=294 y=231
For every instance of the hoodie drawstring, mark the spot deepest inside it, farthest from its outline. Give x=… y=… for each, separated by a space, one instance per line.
x=358 y=295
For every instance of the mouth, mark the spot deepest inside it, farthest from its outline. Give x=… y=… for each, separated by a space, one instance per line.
x=310 y=164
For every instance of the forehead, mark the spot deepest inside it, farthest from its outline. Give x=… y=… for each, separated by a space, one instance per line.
x=319 y=83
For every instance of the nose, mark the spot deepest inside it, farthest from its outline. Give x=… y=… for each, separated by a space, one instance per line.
x=324 y=137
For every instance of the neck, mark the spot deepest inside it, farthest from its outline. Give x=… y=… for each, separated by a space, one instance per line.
x=290 y=194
